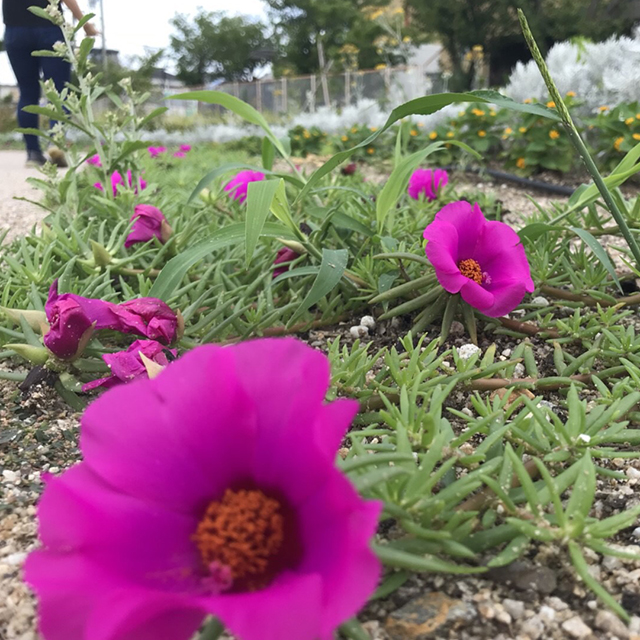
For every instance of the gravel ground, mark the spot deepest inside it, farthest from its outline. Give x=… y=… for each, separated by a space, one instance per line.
x=17 y=215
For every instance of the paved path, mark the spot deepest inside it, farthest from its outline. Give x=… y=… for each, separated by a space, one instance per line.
x=17 y=215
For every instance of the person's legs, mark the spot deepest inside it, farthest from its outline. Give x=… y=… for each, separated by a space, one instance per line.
x=19 y=45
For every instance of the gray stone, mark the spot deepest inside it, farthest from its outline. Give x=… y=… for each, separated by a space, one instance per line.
x=533 y=627
x=515 y=608
x=576 y=628
x=610 y=623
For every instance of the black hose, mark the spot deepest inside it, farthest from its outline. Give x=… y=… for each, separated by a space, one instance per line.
x=558 y=189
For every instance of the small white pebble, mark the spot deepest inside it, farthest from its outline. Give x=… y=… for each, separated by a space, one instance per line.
x=369 y=322
x=632 y=473
x=467 y=412
x=359 y=332
x=518 y=370
x=540 y=301
x=14 y=559
x=467 y=351
x=9 y=476
x=506 y=353
x=585 y=438
x=636 y=532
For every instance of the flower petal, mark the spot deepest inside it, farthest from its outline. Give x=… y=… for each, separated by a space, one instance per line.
x=506 y=298
x=468 y=222
x=477 y=296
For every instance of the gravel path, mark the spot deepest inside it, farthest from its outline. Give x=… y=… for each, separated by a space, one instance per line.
x=17 y=215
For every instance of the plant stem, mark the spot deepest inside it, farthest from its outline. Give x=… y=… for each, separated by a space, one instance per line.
x=577 y=141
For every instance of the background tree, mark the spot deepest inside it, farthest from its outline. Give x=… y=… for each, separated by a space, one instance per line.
x=214 y=46
x=461 y=24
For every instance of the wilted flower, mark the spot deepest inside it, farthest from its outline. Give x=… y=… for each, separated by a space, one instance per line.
x=349 y=169
x=128 y=365
x=482 y=260
x=148 y=317
x=69 y=324
x=148 y=222
x=95 y=160
x=427 y=182
x=154 y=152
x=285 y=254
x=209 y=490
x=237 y=187
x=117 y=179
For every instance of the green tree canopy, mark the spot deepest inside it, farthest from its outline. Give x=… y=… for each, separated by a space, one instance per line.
x=213 y=45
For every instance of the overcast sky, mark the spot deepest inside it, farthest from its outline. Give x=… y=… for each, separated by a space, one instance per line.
x=132 y=25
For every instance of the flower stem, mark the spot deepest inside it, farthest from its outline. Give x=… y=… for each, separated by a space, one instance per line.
x=577 y=141
x=212 y=630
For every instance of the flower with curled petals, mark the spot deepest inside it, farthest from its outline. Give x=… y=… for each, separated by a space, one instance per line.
x=427 y=182
x=197 y=498
x=483 y=260
x=238 y=185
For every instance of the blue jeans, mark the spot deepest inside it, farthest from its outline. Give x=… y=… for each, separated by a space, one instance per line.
x=20 y=42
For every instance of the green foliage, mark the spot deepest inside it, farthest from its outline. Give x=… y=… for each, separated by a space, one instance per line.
x=305 y=141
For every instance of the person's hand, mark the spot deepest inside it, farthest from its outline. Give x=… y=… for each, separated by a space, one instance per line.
x=91 y=30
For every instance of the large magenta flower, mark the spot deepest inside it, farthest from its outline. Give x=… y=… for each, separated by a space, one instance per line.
x=427 y=182
x=210 y=489
x=117 y=179
x=237 y=186
x=148 y=222
x=127 y=366
x=148 y=317
x=482 y=260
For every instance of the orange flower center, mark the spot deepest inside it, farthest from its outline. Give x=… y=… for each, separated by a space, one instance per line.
x=239 y=536
x=471 y=269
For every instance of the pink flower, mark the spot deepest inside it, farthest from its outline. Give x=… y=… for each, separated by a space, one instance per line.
x=148 y=317
x=210 y=489
x=95 y=160
x=482 y=260
x=69 y=324
x=349 y=169
x=179 y=154
x=237 y=187
x=427 y=182
x=185 y=148
x=148 y=222
x=154 y=152
x=285 y=254
x=117 y=179
x=127 y=365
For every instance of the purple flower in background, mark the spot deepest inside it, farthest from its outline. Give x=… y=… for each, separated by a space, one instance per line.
x=349 y=169
x=95 y=160
x=69 y=326
x=285 y=254
x=185 y=148
x=209 y=490
x=237 y=186
x=427 y=182
x=482 y=260
x=117 y=179
x=148 y=317
x=154 y=152
x=179 y=154
x=127 y=365
x=148 y=222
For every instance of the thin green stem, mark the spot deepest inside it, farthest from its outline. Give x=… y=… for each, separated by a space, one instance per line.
x=577 y=141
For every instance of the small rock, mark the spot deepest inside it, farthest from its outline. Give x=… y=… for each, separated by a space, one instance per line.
x=359 y=332
x=515 y=608
x=557 y=604
x=632 y=473
x=9 y=476
x=547 y=614
x=585 y=438
x=467 y=351
x=610 y=623
x=636 y=532
x=427 y=617
x=504 y=617
x=15 y=559
x=611 y=562
x=576 y=628
x=519 y=370
x=540 y=301
x=457 y=328
x=369 y=322
x=533 y=628
x=524 y=576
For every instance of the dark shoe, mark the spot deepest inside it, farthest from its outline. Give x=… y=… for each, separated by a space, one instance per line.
x=57 y=156
x=35 y=159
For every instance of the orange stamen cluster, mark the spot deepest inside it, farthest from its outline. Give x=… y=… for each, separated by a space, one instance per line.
x=242 y=531
x=471 y=269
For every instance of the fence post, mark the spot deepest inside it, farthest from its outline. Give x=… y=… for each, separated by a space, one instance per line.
x=347 y=88
x=236 y=89
x=259 y=96
x=285 y=98
x=314 y=88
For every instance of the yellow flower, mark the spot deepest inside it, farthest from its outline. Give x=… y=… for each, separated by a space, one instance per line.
x=520 y=163
x=380 y=67
x=522 y=129
x=371 y=151
x=492 y=113
x=528 y=101
x=551 y=104
x=617 y=143
x=398 y=11
x=636 y=136
x=376 y=14
x=420 y=125
x=433 y=135
x=461 y=113
x=629 y=121
x=306 y=134
x=413 y=133
x=354 y=129
x=553 y=134
x=482 y=133
x=344 y=138
x=373 y=129
x=406 y=39
x=450 y=134
x=571 y=94
x=603 y=108
x=477 y=112
x=508 y=131
x=638 y=116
